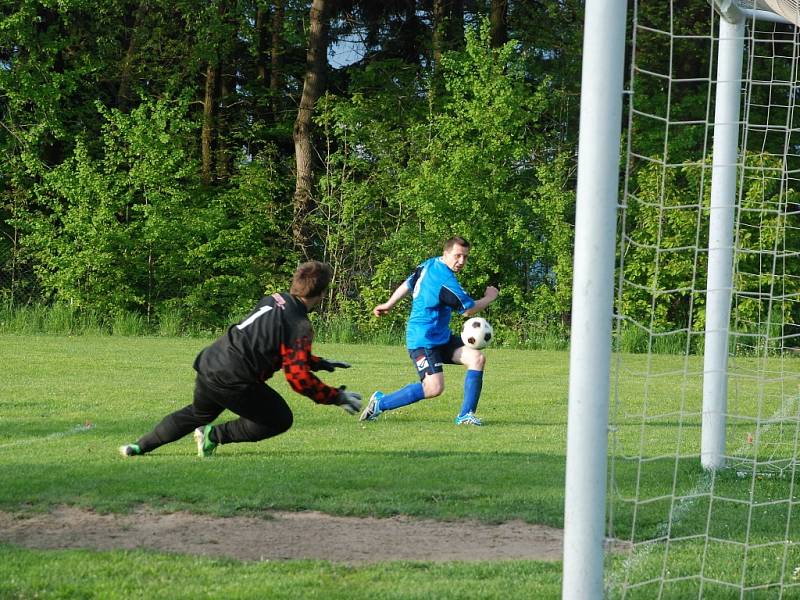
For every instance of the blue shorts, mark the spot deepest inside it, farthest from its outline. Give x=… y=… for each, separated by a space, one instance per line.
x=432 y=360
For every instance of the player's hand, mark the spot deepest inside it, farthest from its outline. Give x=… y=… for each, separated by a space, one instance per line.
x=349 y=401
x=332 y=365
x=491 y=292
x=381 y=310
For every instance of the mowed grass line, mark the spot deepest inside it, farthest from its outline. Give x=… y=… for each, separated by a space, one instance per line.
x=69 y=402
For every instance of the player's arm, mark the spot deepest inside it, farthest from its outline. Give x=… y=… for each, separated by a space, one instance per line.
x=297 y=370
x=400 y=293
x=489 y=296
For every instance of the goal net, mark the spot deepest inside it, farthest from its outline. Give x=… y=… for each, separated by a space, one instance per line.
x=702 y=498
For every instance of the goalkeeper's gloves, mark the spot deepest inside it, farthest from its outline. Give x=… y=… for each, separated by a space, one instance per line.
x=330 y=365
x=349 y=401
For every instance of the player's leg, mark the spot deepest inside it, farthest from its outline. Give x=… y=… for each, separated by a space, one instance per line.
x=429 y=365
x=263 y=414
x=204 y=409
x=475 y=361
x=432 y=385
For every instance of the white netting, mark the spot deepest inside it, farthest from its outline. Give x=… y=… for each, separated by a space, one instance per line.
x=692 y=533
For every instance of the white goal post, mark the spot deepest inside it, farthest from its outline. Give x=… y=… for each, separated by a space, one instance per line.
x=597 y=272
x=593 y=291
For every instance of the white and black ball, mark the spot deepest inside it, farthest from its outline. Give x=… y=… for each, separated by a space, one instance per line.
x=476 y=333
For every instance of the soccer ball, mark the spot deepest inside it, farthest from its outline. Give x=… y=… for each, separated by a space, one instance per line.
x=476 y=333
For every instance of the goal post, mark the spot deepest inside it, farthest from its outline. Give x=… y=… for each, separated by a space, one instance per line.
x=687 y=264
x=593 y=291
x=721 y=233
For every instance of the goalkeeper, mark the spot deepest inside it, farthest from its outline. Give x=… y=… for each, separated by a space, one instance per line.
x=231 y=373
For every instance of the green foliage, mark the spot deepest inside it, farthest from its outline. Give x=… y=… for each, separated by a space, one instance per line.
x=102 y=207
x=685 y=98
x=356 y=210
x=134 y=230
x=666 y=221
x=107 y=225
x=61 y=319
x=476 y=175
x=242 y=247
x=665 y=266
x=767 y=272
x=410 y=176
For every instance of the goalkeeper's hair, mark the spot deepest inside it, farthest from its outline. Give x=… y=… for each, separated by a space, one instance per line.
x=455 y=240
x=311 y=279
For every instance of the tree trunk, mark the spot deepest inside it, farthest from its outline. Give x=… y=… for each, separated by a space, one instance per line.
x=448 y=27
x=455 y=29
x=207 y=134
x=316 y=60
x=276 y=71
x=261 y=44
x=439 y=24
x=409 y=35
x=124 y=89
x=222 y=163
x=498 y=23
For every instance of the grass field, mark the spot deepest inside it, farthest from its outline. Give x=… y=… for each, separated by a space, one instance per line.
x=732 y=534
x=68 y=402
x=413 y=461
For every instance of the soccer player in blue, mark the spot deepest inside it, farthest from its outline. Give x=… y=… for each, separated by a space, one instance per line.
x=436 y=293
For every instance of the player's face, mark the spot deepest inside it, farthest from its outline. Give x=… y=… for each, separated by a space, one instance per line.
x=456 y=257
x=313 y=302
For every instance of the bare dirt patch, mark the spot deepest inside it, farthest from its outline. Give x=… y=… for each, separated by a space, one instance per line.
x=283 y=536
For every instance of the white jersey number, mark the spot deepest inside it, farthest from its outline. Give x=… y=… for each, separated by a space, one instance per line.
x=249 y=320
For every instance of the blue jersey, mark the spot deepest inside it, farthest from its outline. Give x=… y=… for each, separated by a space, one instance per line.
x=436 y=293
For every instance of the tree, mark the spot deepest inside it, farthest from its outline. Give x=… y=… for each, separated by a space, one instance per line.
x=498 y=19
x=448 y=27
x=316 y=61
x=419 y=119
x=401 y=179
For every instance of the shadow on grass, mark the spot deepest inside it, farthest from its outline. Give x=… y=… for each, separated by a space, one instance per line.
x=493 y=487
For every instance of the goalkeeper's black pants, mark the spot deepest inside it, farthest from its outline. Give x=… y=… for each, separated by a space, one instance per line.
x=262 y=414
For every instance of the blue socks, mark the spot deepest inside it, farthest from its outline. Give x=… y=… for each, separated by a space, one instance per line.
x=402 y=397
x=473 y=382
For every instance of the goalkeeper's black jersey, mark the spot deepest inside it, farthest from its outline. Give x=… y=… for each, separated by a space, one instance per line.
x=276 y=334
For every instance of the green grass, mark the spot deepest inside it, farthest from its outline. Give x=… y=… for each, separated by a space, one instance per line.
x=61 y=319
x=123 y=575
x=726 y=533
x=171 y=321
x=737 y=528
x=413 y=461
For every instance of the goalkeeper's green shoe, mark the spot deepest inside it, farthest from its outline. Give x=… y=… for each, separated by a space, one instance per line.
x=129 y=450
x=205 y=447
